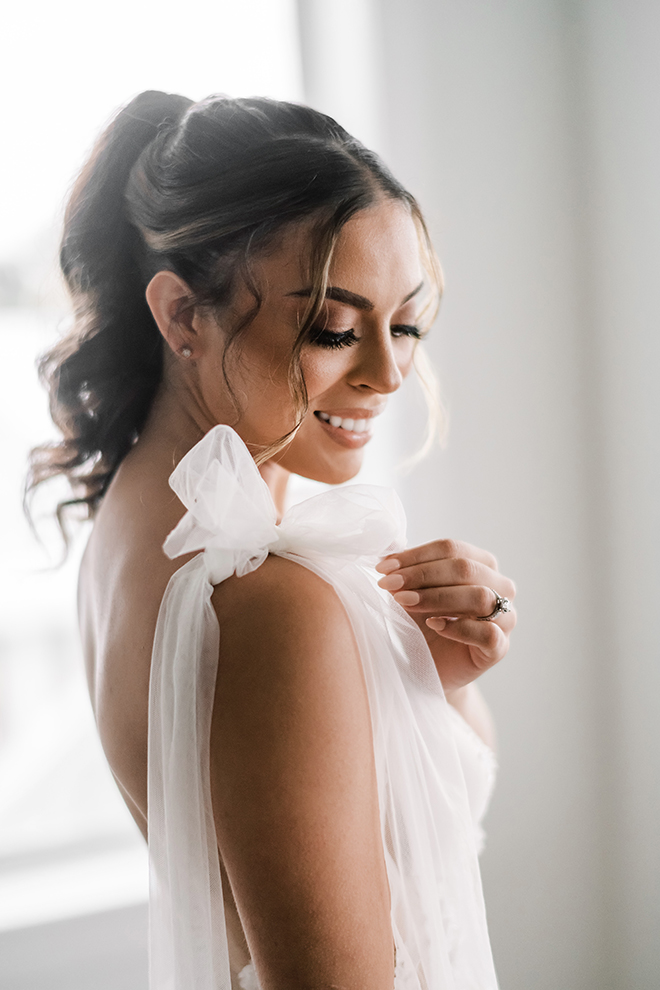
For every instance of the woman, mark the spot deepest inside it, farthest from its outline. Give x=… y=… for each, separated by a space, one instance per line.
x=250 y=285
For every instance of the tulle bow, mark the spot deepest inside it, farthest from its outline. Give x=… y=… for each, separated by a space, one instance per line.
x=232 y=517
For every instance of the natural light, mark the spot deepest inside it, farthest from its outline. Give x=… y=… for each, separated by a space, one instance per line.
x=67 y=844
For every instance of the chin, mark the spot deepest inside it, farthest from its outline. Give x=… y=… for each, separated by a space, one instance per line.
x=336 y=476
x=331 y=470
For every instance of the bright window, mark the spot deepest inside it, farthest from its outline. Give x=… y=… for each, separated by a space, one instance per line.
x=67 y=843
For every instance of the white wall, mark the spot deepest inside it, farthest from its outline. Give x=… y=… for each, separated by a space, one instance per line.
x=106 y=951
x=621 y=67
x=478 y=112
x=529 y=131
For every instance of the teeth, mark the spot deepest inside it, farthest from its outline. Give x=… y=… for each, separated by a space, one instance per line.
x=354 y=425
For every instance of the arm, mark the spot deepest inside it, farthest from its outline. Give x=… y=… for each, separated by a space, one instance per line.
x=294 y=784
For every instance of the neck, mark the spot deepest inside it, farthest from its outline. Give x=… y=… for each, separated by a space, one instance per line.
x=277 y=479
x=175 y=429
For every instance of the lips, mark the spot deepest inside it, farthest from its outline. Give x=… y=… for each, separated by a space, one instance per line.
x=349 y=427
x=356 y=420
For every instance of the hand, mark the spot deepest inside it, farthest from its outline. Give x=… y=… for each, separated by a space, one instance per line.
x=445 y=586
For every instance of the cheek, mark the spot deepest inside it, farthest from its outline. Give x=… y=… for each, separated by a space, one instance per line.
x=405 y=353
x=259 y=369
x=258 y=400
x=323 y=368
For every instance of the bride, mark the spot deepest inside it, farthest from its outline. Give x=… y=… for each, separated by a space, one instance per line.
x=250 y=285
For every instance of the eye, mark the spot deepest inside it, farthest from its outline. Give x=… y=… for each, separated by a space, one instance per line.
x=333 y=340
x=406 y=330
x=328 y=338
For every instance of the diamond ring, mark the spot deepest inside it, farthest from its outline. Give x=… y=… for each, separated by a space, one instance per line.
x=501 y=605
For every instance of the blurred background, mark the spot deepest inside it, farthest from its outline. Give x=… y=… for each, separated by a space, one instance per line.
x=530 y=132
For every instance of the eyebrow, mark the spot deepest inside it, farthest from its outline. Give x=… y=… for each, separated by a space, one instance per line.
x=351 y=298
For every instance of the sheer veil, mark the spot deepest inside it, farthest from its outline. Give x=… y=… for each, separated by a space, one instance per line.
x=428 y=833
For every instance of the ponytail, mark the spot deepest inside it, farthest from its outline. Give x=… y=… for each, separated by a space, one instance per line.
x=103 y=375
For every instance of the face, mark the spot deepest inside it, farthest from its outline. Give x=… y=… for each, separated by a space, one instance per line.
x=359 y=353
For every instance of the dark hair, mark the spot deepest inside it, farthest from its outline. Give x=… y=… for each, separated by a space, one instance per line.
x=198 y=189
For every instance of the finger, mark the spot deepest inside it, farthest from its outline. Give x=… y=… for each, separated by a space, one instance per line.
x=436 y=550
x=490 y=642
x=448 y=572
x=505 y=620
x=476 y=601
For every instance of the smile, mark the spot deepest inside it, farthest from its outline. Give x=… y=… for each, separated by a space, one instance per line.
x=351 y=425
x=352 y=430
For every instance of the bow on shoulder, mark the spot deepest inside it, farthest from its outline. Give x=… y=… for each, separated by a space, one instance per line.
x=232 y=517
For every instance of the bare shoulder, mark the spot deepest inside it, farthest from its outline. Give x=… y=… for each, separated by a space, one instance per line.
x=294 y=784
x=281 y=599
x=285 y=638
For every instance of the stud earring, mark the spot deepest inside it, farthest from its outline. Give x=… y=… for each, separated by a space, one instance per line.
x=185 y=351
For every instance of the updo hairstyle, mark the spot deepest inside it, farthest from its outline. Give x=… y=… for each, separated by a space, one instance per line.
x=198 y=189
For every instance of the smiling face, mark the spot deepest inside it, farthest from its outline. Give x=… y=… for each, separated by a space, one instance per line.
x=357 y=355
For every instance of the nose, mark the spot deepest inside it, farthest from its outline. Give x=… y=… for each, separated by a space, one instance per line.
x=376 y=366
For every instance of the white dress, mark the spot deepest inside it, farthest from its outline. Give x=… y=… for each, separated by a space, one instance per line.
x=434 y=775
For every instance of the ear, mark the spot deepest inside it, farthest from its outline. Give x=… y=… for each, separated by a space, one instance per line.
x=171 y=303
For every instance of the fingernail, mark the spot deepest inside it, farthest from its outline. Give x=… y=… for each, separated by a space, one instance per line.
x=392 y=582
x=437 y=625
x=406 y=597
x=387 y=566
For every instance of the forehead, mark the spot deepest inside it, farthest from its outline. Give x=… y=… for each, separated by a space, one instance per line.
x=378 y=250
x=377 y=253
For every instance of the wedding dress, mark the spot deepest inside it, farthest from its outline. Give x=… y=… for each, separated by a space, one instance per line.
x=433 y=773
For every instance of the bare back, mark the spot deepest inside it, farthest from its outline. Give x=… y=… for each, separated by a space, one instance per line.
x=123 y=577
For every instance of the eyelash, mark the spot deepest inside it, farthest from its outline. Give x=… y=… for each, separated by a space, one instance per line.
x=333 y=341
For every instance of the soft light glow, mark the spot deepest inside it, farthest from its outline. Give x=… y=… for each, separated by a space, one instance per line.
x=70 y=64
x=67 y=843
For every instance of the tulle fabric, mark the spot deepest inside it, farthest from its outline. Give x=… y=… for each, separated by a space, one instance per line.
x=428 y=833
